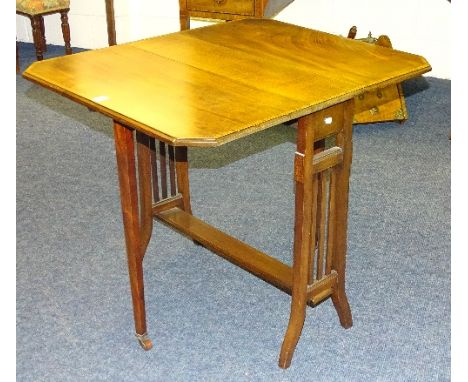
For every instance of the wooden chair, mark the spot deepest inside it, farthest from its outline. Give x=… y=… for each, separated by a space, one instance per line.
x=36 y=10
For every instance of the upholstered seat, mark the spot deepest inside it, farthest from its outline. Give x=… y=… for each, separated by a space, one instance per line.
x=37 y=7
x=35 y=10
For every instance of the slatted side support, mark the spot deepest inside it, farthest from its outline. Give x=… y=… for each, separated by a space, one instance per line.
x=322 y=278
x=323 y=167
x=165 y=169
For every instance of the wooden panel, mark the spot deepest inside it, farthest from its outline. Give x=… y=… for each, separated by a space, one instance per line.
x=208 y=86
x=239 y=7
x=387 y=104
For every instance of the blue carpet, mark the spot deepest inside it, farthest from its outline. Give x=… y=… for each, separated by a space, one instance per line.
x=209 y=320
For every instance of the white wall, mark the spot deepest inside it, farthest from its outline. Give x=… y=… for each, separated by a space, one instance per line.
x=417 y=26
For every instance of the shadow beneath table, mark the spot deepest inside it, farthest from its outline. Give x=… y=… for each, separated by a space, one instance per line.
x=216 y=157
x=415 y=86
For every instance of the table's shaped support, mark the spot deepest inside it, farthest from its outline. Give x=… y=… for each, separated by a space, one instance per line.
x=321 y=212
x=157 y=186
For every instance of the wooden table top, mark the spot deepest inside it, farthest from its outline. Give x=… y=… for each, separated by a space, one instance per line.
x=211 y=85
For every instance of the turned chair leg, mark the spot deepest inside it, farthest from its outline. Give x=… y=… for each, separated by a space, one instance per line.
x=37 y=36
x=66 y=31
x=44 y=43
x=17 y=59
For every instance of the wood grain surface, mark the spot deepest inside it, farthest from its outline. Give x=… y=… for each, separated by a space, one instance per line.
x=211 y=85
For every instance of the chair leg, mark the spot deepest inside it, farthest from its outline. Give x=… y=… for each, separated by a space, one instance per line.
x=66 y=31
x=37 y=36
x=17 y=59
x=184 y=20
x=44 y=43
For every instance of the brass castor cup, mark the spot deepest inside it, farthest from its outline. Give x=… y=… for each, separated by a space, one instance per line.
x=144 y=341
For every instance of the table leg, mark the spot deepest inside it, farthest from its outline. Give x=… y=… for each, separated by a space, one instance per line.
x=304 y=238
x=311 y=211
x=125 y=153
x=343 y=140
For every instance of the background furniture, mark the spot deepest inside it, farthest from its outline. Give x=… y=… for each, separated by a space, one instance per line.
x=228 y=9
x=382 y=104
x=36 y=10
x=110 y=18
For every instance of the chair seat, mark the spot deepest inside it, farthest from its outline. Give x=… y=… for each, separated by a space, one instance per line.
x=37 y=7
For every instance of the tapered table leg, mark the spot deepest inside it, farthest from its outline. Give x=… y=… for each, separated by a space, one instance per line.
x=304 y=237
x=344 y=140
x=125 y=153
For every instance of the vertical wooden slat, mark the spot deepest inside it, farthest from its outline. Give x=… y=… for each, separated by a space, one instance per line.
x=313 y=226
x=163 y=168
x=172 y=175
x=319 y=146
x=331 y=221
x=321 y=217
x=154 y=170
